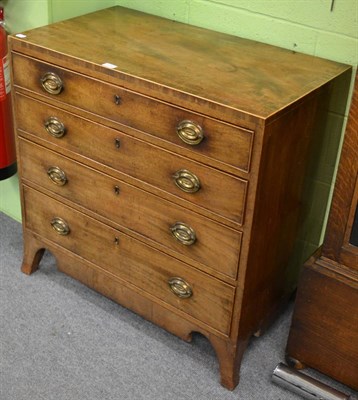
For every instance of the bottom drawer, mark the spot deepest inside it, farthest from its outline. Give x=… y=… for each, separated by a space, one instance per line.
x=325 y=321
x=195 y=293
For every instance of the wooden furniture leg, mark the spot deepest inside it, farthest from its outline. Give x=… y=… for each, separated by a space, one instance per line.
x=33 y=253
x=229 y=357
x=294 y=363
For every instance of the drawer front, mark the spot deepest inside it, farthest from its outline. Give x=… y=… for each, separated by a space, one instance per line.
x=211 y=300
x=219 y=192
x=221 y=141
x=214 y=244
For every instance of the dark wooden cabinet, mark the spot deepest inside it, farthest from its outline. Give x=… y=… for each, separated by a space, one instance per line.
x=324 y=331
x=164 y=166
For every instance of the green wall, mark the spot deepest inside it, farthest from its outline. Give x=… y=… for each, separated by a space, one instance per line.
x=22 y=15
x=64 y=9
x=308 y=26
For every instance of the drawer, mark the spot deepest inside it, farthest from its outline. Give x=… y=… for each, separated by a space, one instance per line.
x=219 y=192
x=210 y=300
x=158 y=220
x=221 y=141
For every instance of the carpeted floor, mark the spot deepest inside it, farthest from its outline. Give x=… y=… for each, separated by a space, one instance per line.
x=60 y=340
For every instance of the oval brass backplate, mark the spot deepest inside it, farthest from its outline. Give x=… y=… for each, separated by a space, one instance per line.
x=190 y=132
x=52 y=83
x=55 y=127
x=186 y=181
x=57 y=176
x=184 y=233
x=180 y=287
x=60 y=226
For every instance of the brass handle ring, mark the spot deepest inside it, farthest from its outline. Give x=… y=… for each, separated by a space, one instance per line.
x=52 y=83
x=60 y=226
x=180 y=288
x=55 y=127
x=190 y=132
x=183 y=233
x=57 y=176
x=186 y=181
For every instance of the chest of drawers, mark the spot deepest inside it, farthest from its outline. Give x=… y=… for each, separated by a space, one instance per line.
x=164 y=166
x=324 y=329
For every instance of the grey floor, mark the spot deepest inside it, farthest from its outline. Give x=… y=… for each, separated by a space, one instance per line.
x=62 y=341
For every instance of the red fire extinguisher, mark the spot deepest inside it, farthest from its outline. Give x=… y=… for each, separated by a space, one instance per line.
x=7 y=144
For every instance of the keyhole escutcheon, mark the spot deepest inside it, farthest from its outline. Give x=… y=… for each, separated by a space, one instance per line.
x=117 y=99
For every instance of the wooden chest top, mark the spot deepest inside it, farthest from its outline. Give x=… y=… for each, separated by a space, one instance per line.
x=183 y=62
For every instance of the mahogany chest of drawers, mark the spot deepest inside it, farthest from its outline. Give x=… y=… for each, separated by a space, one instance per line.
x=324 y=330
x=163 y=165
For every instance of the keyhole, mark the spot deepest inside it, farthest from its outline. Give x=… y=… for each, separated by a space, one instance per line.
x=117 y=143
x=117 y=99
x=116 y=190
x=116 y=241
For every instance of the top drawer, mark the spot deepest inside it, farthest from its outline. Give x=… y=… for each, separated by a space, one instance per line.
x=217 y=140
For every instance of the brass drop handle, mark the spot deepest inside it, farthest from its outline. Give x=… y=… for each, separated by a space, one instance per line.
x=55 y=127
x=190 y=132
x=184 y=233
x=186 y=181
x=52 y=83
x=60 y=226
x=57 y=176
x=180 y=287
